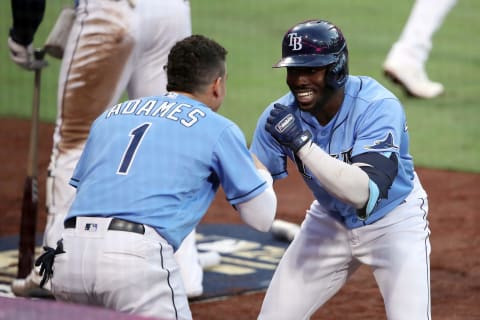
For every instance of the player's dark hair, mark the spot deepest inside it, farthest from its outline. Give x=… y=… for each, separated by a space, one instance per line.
x=194 y=63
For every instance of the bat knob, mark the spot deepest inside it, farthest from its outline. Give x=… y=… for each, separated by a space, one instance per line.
x=39 y=54
x=39 y=62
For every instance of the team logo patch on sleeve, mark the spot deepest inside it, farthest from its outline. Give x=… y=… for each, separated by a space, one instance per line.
x=384 y=144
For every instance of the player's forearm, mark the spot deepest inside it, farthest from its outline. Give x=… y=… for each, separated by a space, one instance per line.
x=27 y=16
x=259 y=212
x=346 y=182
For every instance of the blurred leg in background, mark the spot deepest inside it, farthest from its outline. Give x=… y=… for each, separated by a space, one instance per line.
x=406 y=60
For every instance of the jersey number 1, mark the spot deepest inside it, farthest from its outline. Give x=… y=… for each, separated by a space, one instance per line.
x=136 y=135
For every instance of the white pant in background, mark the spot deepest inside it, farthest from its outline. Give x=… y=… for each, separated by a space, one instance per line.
x=415 y=43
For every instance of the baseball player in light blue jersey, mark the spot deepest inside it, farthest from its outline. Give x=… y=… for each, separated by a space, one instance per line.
x=149 y=171
x=113 y=47
x=348 y=137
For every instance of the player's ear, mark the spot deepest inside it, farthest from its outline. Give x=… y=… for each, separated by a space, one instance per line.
x=220 y=89
x=217 y=89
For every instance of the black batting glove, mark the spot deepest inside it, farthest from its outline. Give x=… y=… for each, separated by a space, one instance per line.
x=46 y=260
x=285 y=127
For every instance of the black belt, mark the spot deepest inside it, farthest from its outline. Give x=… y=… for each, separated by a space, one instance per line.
x=115 y=224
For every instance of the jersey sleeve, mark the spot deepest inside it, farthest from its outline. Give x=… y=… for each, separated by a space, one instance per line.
x=27 y=16
x=268 y=150
x=380 y=129
x=234 y=166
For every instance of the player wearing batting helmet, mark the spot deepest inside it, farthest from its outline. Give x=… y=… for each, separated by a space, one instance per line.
x=348 y=137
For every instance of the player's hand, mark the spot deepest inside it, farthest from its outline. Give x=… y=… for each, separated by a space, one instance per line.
x=286 y=128
x=24 y=55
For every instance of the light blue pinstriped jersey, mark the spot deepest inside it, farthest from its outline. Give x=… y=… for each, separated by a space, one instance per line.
x=159 y=161
x=371 y=119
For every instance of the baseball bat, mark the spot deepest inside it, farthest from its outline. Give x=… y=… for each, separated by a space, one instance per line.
x=283 y=230
x=26 y=253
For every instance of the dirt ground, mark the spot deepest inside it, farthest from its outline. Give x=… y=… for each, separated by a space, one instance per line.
x=454 y=221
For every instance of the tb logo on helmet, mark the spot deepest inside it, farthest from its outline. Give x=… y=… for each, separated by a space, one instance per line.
x=295 y=41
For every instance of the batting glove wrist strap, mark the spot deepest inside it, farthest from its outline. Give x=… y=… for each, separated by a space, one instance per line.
x=300 y=141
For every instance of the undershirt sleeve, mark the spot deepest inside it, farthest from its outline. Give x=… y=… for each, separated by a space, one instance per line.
x=27 y=16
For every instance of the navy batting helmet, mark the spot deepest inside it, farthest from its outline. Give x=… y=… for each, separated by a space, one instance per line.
x=317 y=43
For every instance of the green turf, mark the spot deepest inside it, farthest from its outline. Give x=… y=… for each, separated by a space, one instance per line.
x=443 y=131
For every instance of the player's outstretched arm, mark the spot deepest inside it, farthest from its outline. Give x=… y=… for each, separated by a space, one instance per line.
x=259 y=212
x=27 y=16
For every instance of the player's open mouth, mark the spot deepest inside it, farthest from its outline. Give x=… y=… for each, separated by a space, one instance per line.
x=304 y=96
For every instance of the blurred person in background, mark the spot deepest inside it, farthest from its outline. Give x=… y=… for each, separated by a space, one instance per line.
x=406 y=60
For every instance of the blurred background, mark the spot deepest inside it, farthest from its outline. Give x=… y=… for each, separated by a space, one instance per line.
x=444 y=131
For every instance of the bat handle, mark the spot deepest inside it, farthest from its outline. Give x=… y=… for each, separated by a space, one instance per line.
x=39 y=53
x=32 y=153
x=38 y=62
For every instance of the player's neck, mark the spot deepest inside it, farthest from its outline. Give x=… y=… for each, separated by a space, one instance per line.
x=330 y=108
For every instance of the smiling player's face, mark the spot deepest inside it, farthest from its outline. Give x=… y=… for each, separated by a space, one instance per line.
x=307 y=84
